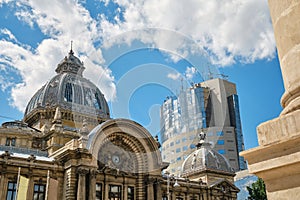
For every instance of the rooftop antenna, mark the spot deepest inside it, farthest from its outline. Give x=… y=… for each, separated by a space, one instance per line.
x=181 y=84
x=223 y=76
x=210 y=74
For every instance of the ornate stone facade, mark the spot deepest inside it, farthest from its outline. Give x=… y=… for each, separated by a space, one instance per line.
x=113 y=159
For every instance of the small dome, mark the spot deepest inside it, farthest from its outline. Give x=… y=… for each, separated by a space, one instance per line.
x=205 y=158
x=69 y=91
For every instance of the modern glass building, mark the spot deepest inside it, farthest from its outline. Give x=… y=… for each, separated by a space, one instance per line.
x=183 y=113
x=235 y=121
x=211 y=106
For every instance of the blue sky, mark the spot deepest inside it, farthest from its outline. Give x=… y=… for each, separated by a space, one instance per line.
x=138 y=53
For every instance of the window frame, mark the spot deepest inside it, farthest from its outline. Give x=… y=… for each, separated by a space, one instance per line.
x=222 y=151
x=220 y=142
x=10 y=141
x=220 y=133
x=13 y=191
x=130 y=196
x=114 y=195
x=68 y=93
x=39 y=192
x=99 y=193
x=185 y=148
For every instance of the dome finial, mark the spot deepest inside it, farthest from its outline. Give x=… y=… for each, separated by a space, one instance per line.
x=71 y=50
x=202 y=137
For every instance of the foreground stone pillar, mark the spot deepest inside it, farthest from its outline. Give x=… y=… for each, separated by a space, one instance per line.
x=286 y=22
x=277 y=159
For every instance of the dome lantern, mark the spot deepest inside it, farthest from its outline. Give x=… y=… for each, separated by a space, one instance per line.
x=70 y=64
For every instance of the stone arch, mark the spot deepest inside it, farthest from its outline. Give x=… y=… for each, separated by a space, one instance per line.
x=126 y=145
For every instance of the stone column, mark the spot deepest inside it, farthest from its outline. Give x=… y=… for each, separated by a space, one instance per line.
x=81 y=187
x=286 y=22
x=70 y=184
x=158 y=190
x=30 y=185
x=173 y=195
x=187 y=196
x=3 y=184
x=140 y=189
x=92 y=186
x=106 y=191
x=277 y=159
x=150 y=189
x=125 y=195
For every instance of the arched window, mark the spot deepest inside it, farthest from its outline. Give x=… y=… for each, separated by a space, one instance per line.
x=97 y=101
x=68 y=93
x=88 y=99
x=78 y=94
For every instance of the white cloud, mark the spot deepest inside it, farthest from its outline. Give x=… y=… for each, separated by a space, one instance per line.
x=9 y=34
x=4 y=1
x=174 y=76
x=230 y=30
x=190 y=72
x=4 y=84
x=60 y=21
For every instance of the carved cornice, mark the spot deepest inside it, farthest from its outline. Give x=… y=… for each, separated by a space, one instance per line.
x=279 y=129
x=5 y=155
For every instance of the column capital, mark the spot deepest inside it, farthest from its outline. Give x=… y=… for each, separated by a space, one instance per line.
x=93 y=173
x=82 y=171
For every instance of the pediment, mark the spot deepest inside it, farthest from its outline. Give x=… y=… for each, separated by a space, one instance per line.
x=224 y=186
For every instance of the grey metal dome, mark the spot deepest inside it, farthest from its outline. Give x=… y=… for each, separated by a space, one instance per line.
x=205 y=158
x=70 y=91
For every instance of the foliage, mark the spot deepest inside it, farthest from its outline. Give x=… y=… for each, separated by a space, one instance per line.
x=257 y=191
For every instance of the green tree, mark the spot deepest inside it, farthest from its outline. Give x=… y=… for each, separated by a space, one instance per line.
x=257 y=191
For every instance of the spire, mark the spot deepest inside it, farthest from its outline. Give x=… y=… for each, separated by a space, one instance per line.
x=57 y=121
x=57 y=116
x=84 y=130
x=71 y=50
x=46 y=127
